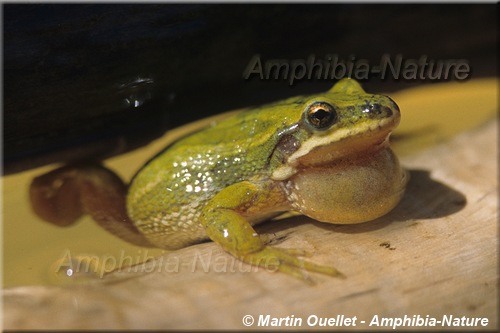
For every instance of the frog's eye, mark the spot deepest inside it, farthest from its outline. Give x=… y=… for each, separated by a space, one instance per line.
x=320 y=115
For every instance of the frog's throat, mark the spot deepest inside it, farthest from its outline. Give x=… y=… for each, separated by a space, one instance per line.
x=376 y=132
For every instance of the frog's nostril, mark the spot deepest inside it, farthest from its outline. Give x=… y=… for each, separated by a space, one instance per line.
x=388 y=111
x=394 y=105
x=376 y=110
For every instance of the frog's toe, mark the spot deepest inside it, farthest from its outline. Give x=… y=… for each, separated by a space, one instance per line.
x=298 y=252
x=287 y=261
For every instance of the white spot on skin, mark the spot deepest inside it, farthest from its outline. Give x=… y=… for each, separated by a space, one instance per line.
x=283 y=173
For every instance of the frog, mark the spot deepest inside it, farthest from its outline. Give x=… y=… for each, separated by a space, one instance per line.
x=326 y=156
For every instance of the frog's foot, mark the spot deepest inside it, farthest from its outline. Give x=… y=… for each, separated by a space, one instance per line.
x=63 y=195
x=272 y=238
x=288 y=261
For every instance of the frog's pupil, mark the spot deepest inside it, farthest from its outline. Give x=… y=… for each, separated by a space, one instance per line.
x=321 y=116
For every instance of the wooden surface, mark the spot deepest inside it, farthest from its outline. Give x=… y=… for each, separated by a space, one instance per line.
x=436 y=254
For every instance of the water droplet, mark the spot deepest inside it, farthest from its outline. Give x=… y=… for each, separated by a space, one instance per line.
x=70 y=270
x=136 y=91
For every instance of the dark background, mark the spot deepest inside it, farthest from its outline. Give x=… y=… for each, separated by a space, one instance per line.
x=87 y=81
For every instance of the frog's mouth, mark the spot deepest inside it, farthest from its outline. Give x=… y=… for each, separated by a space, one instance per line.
x=360 y=145
x=353 y=143
x=345 y=144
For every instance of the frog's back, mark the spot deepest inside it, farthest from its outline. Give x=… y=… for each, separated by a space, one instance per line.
x=166 y=196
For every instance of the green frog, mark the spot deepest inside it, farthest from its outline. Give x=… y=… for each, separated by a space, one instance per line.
x=326 y=156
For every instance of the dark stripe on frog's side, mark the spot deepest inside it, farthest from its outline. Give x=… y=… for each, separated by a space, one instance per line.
x=287 y=145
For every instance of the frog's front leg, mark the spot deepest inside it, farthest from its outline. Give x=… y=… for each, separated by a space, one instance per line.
x=224 y=220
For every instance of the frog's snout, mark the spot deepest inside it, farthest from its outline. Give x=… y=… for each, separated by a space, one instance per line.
x=393 y=105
